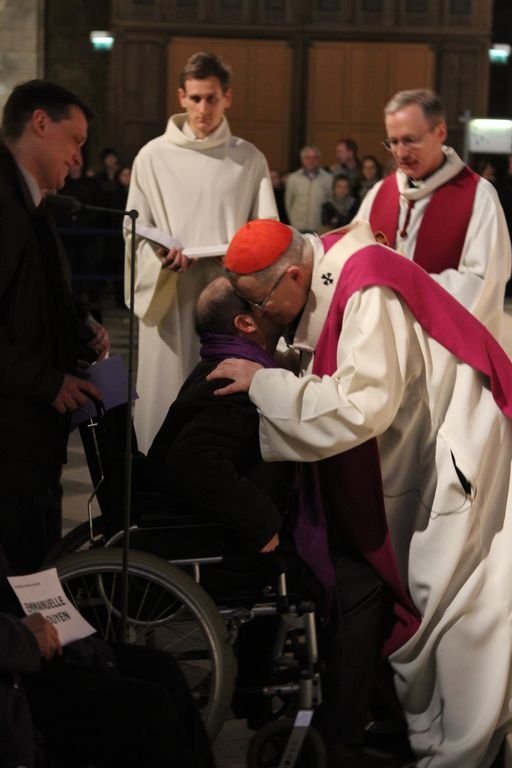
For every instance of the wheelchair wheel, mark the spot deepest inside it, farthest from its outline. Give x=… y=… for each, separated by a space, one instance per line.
x=76 y=539
x=166 y=610
x=268 y=744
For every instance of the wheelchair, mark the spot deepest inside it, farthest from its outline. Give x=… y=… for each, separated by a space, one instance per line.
x=183 y=593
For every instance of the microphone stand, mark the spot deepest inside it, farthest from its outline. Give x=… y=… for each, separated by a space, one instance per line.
x=73 y=205
x=127 y=500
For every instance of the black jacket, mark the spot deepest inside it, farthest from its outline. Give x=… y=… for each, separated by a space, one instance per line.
x=207 y=455
x=40 y=336
x=19 y=652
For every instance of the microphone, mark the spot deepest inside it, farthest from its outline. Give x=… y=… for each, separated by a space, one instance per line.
x=69 y=204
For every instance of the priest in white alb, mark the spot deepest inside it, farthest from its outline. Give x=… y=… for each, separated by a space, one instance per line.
x=198 y=183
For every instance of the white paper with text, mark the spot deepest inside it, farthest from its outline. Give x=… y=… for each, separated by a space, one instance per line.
x=42 y=593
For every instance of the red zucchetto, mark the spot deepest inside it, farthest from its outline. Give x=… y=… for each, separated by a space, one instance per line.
x=257 y=245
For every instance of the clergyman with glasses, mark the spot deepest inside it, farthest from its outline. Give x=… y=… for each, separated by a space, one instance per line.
x=403 y=429
x=435 y=210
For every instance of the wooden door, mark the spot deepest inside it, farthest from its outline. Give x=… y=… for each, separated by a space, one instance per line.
x=349 y=85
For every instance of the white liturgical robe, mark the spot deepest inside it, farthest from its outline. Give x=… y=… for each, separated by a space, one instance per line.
x=431 y=414
x=200 y=191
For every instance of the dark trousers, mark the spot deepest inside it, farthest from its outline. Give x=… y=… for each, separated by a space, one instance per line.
x=30 y=526
x=143 y=716
x=355 y=650
x=351 y=644
x=350 y=634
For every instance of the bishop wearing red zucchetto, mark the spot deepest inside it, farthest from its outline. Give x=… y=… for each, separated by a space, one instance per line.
x=403 y=414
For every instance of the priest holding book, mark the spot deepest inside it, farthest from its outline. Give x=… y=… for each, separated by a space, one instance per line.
x=198 y=183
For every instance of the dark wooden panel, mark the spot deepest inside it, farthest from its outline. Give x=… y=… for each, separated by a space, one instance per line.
x=413 y=13
x=350 y=84
x=375 y=13
x=138 y=86
x=467 y=14
x=138 y=10
x=390 y=18
x=232 y=12
x=276 y=11
x=76 y=16
x=461 y=68
x=136 y=134
x=143 y=78
x=331 y=11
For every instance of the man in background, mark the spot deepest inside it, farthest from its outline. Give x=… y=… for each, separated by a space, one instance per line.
x=438 y=212
x=306 y=190
x=348 y=163
x=198 y=183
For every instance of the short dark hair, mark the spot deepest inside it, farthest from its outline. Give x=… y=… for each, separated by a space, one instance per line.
x=350 y=144
x=202 y=65
x=26 y=97
x=340 y=177
x=106 y=151
x=216 y=314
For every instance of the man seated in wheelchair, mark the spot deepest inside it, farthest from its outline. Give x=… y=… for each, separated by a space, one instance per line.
x=206 y=456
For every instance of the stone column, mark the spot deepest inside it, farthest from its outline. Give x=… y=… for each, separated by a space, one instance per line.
x=21 y=43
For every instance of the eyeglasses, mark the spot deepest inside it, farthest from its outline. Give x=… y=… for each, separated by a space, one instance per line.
x=261 y=304
x=409 y=142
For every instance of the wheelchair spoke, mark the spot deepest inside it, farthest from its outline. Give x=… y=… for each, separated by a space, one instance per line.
x=166 y=610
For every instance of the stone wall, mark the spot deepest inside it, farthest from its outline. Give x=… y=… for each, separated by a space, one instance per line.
x=21 y=43
x=50 y=39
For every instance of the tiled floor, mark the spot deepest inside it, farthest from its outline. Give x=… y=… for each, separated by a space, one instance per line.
x=231 y=745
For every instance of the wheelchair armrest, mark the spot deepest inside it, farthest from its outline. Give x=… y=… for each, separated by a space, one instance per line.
x=173 y=533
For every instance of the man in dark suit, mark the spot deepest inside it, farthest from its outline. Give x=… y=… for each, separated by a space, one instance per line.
x=43 y=332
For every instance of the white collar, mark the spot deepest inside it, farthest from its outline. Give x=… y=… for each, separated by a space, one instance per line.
x=33 y=187
x=179 y=132
x=326 y=271
x=452 y=166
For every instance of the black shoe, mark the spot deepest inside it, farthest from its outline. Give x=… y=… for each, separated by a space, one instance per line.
x=339 y=756
x=388 y=738
x=345 y=757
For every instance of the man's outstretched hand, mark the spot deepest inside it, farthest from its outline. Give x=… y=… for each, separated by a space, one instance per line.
x=241 y=371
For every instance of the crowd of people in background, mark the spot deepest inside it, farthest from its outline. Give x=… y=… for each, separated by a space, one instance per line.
x=93 y=240
x=313 y=198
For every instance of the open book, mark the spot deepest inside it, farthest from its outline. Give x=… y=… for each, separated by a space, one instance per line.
x=165 y=240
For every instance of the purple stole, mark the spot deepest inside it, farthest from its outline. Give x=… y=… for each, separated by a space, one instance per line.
x=218 y=346
x=350 y=483
x=452 y=204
